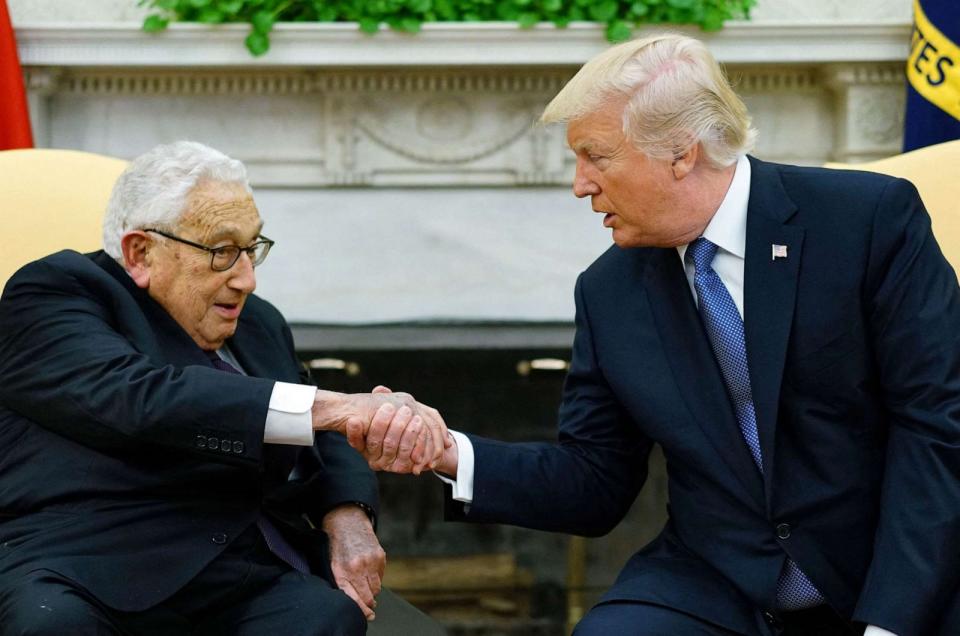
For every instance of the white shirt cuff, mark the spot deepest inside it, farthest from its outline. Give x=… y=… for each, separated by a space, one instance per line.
x=463 y=484
x=877 y=631
x=289 y=419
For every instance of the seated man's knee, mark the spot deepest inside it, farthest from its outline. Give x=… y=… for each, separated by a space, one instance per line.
x=345 y=617
x=317 y=609
x=40 y=605
x=597 y=622
x=642 y=619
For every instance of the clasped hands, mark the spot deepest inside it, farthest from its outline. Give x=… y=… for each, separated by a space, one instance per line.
x=392 y=431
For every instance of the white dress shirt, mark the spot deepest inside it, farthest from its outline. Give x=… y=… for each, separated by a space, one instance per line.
x=728 y=231
x=289 y=419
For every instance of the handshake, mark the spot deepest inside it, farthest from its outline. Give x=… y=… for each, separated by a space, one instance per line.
x=393 y=432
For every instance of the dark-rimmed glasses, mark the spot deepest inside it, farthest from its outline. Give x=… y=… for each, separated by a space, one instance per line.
x=225 y=257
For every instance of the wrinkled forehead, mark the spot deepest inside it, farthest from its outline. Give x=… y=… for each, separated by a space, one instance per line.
x=601 y=128
x=219 y=211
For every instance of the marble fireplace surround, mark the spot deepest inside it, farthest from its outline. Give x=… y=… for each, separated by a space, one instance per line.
x=403 y=178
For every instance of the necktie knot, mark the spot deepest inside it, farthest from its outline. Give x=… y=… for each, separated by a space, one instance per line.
x=701 y=252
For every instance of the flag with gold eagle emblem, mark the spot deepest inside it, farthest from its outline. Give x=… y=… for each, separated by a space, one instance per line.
x=933 y=75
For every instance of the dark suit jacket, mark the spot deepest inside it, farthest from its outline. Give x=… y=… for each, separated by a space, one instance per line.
x=127 y=462
x=854 y=350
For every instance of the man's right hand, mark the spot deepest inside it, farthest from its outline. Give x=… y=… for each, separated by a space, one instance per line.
x=389 y=425
x=415 y=433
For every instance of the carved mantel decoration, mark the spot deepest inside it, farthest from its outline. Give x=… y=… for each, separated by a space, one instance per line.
x=453 y=105
x=432 y=138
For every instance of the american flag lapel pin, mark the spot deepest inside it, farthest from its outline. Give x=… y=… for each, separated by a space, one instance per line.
x=778 y=251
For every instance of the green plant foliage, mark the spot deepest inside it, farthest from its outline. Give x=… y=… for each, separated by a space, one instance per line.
x=620 y=16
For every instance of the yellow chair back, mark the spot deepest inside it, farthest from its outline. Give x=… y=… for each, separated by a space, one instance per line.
x=935 y=170
x=52 y=200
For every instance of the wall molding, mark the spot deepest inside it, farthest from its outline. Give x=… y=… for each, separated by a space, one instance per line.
x=417 y=127
x=238 y=81
x=439 y=44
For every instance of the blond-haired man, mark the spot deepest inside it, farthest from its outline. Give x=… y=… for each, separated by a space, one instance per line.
x=787 y=335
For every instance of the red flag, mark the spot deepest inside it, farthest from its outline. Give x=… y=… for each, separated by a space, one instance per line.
x=14 y=116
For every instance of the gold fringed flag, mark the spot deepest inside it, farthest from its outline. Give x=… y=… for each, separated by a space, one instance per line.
x=933 y=75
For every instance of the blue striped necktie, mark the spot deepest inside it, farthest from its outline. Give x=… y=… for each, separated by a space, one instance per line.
x=279 y=546
x=725 y=330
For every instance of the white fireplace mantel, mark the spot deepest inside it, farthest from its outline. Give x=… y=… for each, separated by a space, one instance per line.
x=401 y=175
x=439 y=44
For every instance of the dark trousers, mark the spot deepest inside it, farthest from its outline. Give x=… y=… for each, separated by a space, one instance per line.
x=644 y=619
x=245 y=591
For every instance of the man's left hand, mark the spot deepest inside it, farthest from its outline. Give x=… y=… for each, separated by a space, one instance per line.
x=356 y=558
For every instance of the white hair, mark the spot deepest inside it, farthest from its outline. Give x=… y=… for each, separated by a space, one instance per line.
x=153 y=190
x=675 y=93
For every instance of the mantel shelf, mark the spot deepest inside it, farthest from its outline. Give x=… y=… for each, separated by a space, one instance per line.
x=438 y=44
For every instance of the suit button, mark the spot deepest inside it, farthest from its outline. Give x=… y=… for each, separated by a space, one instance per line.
x=238 y=448
x=201 y=441
x=213 y=443
x=220 y=538
x=783 y=531
x=772 y=619
x=225 y=445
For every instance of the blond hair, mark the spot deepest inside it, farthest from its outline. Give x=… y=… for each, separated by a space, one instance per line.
x=676 y=97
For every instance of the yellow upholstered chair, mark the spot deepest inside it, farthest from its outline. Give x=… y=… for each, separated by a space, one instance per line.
x=51 y=200
x=935 y=170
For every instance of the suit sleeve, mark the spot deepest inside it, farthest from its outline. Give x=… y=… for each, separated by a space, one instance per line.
x=583 y=485
x=329 y=473
x=66 y=365
x=914 y=319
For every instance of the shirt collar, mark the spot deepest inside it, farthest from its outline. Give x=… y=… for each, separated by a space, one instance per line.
x=728 y=227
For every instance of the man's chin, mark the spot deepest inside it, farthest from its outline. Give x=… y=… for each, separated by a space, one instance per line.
x=215 y=338
x=228 y=331
x=623 y=240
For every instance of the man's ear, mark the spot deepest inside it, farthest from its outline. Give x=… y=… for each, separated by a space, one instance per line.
x=135 y=247
x=683 y=164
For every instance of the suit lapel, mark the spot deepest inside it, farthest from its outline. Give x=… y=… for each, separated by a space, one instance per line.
x=257 y=351
x=695 y=369
x=770 y=290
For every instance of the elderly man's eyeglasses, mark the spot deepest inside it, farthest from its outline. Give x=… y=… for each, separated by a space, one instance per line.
x=225 y=257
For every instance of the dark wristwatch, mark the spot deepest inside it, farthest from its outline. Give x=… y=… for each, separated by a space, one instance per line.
x=371 y=513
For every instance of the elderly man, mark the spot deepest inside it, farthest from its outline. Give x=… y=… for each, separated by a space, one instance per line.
x=160 y=471
x=789 y=336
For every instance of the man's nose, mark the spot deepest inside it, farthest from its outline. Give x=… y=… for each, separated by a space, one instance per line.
x=583 y=186
x=242 y=273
